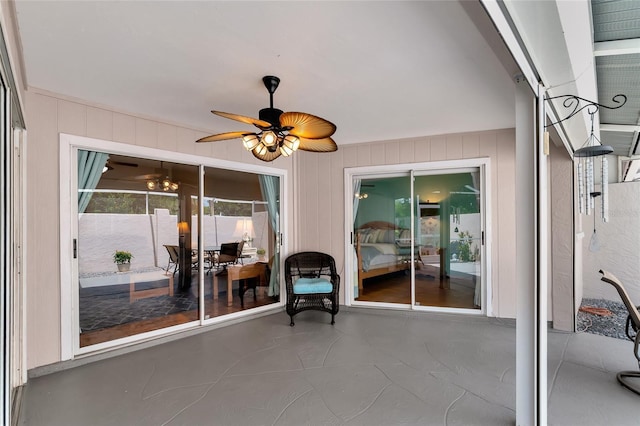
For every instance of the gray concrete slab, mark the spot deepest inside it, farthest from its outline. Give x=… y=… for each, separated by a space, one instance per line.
x=371 y=368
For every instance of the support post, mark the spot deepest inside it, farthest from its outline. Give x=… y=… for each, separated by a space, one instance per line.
x=531 y=313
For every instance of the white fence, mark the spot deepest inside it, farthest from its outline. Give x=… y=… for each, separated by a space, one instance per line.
x=101 y=234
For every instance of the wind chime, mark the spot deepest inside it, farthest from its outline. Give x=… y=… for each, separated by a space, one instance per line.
x=585 y=157
x=455 y=217
x=592 y=149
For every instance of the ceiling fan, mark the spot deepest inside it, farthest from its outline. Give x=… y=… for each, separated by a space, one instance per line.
x=281 y=133
x=161 y=179
x=110 y=163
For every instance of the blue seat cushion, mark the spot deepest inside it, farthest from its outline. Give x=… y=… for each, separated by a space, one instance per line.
x=312 y=285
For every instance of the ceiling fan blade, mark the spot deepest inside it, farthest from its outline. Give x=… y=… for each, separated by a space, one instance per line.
x=307 y=126
x=223 y=136
x=318 y=145
x=241 y=118
x=147 y=176
x=121 y=163
x=267 y=155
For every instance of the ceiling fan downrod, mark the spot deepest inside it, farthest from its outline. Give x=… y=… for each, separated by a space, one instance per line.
x=271 y=114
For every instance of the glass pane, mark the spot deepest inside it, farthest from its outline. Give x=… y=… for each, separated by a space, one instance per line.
x=448 y=240
x=382 y=225
x=241 y=214
x=130 y=279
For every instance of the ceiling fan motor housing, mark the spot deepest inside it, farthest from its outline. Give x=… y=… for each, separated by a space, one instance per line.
x=272 y=115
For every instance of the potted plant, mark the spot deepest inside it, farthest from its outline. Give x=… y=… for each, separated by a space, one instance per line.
x=261 y=252
x=123 y=260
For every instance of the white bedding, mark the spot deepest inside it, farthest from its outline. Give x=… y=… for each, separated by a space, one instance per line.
x=378 y=255
x=383 y=248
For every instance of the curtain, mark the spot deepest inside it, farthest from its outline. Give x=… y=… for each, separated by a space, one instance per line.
x=356 y=201
x=90 y=165
x=270 y=188
x=475 y=176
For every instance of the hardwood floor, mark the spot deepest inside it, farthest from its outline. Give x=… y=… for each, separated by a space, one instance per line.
x=213 y=308
x=396 y=288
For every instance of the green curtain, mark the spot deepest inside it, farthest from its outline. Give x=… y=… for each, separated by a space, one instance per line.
x=356 y=201
x=90 y=165
x=270 y=187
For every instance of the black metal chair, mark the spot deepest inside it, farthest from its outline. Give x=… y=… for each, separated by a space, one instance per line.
x=229 y=253
x=312 y=283
x=633 y=325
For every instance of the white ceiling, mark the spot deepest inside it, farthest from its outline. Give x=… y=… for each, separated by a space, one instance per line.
x=378 y=70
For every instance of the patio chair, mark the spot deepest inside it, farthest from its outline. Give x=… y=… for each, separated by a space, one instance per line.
x=633 y=327
x=173 y=258
x=228 y=255
x=312 y=283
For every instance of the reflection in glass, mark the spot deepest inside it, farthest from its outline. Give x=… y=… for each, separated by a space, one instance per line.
x=443 y=255
x=382 y=226
x=239 y=238
x=117 y=212
x=150 y=209
x=448 y=240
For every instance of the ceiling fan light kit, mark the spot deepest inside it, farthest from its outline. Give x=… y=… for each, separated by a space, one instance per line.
x=281 y=133
x=165 y=184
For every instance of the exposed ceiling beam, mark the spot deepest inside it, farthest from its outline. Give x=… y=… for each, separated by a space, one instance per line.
x=626 y=128
x=633 y=169
x=617 y=47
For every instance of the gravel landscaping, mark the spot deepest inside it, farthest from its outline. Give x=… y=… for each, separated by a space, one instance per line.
x=611 y=326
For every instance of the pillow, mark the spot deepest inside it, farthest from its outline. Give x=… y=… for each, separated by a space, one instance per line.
x=312 y=286
x=389 y=236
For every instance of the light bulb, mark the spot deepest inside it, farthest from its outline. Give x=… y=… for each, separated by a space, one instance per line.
x=173 y=186
x=151 y=185
x=269 y=138
x=166 y=183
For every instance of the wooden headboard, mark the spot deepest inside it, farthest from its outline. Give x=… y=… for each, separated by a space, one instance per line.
x=378 y=224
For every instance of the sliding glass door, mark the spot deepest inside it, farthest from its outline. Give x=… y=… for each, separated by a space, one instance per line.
x=131 y=213
x=448 y=244
x=418 y=238
x=147 y=261
x=239 y=241
x=382 y=227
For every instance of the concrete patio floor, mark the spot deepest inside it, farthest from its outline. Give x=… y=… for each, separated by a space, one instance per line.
x=372 y=368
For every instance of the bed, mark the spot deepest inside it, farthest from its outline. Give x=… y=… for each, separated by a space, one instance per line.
x=381 y=249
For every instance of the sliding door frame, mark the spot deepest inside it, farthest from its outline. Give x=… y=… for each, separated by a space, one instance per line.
x=69 y=299
x=409 y=169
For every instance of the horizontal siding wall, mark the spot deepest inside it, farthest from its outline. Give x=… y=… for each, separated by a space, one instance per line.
x=316 y=185
x=48 y=116
x=320 y=192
